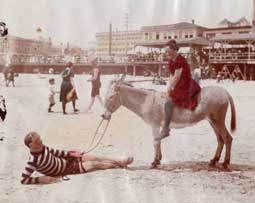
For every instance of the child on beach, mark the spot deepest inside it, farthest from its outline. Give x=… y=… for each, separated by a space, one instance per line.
x=52 y=92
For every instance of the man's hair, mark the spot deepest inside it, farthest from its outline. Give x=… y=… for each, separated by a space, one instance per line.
x=94 y=62
x=28 y=138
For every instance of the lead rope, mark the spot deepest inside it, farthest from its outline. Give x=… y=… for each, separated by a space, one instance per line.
x=90 y=149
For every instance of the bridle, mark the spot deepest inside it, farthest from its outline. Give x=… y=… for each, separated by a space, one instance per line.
x=117 y=94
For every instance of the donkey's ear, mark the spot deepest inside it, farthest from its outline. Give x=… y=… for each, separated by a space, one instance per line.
x=119 y=82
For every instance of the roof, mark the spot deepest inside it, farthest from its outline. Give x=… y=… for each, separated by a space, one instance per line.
x=199 y=41
x=238 y=22
x=229 y=28
x=234 y=38
x=177 y=26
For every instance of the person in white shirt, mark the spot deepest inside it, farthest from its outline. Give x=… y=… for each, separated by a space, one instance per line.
x=52 y=92
x=196 y=75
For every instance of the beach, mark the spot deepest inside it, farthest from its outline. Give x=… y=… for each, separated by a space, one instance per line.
x=184 y=175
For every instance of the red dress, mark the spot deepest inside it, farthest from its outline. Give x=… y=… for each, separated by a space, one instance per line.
x=186 y=90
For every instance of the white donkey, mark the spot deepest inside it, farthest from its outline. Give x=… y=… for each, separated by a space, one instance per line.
x=149 y=105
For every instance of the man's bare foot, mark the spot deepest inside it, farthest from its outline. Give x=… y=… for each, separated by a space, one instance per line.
x=124 y=163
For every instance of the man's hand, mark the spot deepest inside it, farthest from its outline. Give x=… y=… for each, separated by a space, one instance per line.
x=48 y=180
x=75 y=154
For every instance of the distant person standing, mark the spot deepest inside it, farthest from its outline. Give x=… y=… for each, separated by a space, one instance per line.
x=196 y=75
x=96 y=85
x=52 y=92
x=9 y=76
x=67 y=90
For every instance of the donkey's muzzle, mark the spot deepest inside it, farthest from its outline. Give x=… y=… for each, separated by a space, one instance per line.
x=106 y=116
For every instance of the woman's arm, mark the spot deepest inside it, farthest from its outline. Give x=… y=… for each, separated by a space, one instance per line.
x=173 y=79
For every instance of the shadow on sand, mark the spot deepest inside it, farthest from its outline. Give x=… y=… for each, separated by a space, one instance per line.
x=193 y=166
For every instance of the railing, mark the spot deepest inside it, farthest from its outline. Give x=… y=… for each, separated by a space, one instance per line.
x=232 y=56
x=38 y=59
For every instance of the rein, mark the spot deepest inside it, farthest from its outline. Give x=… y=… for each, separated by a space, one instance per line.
x=90 y=148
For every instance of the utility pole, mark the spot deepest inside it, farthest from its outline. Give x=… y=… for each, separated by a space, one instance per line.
x=110 y=40
x=253 y=16
x=127 y=21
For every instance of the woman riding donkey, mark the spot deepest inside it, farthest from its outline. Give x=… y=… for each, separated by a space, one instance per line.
x=182 y=90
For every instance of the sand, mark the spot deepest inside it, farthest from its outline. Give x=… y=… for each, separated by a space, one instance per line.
x=183 y=177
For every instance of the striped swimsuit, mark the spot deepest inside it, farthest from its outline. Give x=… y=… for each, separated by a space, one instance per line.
x=51 y=162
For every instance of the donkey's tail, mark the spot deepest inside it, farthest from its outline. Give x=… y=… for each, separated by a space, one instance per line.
x=233 y=114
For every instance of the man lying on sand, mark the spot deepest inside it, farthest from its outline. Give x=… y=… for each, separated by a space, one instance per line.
x=54 y=164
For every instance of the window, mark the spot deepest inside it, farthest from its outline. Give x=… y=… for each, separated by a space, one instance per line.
x=169 y=37
x=165 y=37
x=146 y=36
x=150 y=36
x=191 y=36
x=186 y=36
x=157 y=36
x=175 y=37
x=226 y=33
x=243 y=32
x=210 y=35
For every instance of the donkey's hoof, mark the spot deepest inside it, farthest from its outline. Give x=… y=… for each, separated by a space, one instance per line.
x=155 y=164
x=225 y=167
x=212 y=163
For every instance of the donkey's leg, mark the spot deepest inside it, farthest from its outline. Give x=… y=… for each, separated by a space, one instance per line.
x=220 y=144
x=227 y=138
x=157 y=147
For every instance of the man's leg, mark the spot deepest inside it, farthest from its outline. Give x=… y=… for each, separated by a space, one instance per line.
x=168 y=116
x=106 y=162
x=91 y=104
x=90 y=166
x=100 y=100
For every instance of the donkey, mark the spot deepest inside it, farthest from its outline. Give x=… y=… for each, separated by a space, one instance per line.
x=149 y=105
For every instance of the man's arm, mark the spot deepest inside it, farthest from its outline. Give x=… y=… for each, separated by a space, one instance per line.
x=173 y=79
x=26 y=178
x=26 y=175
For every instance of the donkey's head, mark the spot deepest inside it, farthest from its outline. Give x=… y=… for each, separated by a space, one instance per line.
x=112 y=98
x=3 y=111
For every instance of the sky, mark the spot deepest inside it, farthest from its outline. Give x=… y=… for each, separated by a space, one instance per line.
x=77 y=21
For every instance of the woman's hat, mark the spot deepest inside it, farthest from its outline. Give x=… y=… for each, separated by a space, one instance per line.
x=172 y=45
